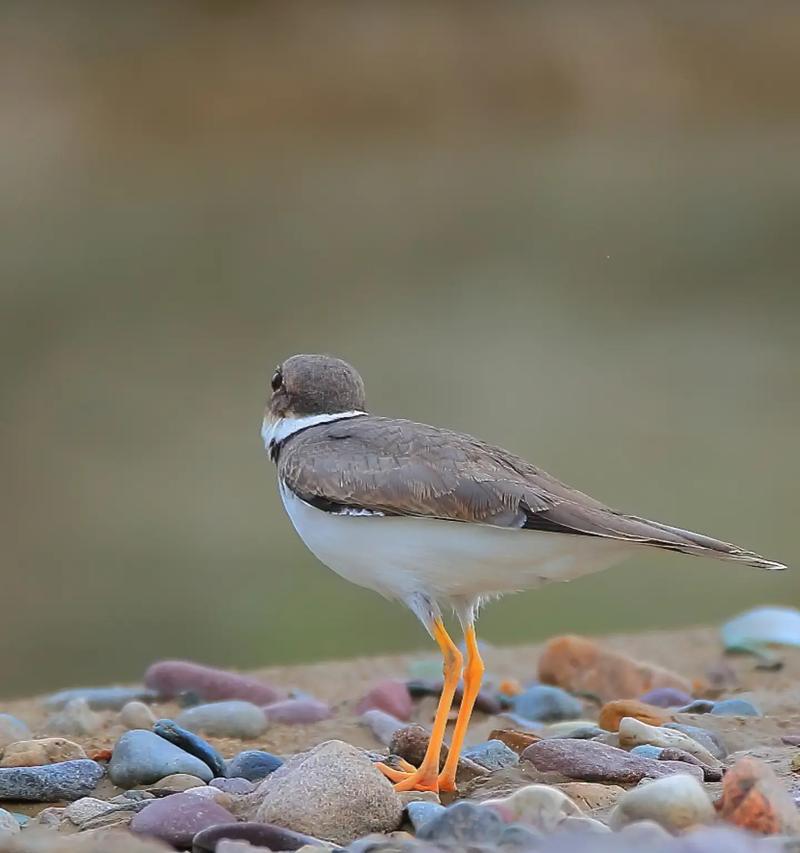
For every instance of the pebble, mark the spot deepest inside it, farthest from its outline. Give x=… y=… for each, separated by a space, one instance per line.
x=541 y=806
x=381 y=724
x=177 y=783
x=191 y=743
x=753 y=798
x=592 y=795
x=12 y=730
x=86 y=809
x=485 y=702
x=645 y=832
x=260 y=835
x=589 y=761
x=580 y=665
x=675 y=802
x=582 y=729
x=543 y=703
x=421 y=811
x=492 y=754
x=233 y=718
x=75 y=718
x=634 y=732
x=333 y=791
x=518 y=838
x=136 y=715
x=33 y=753
x=612 y=712
x=735 y=708
x=177 y=818
x=710 y=774
x=253 y=765
x=100 y=698
x=236 y=786
x=518 y=741
x=464 y=823
x=67 y=780
x=141 y=758
x=710 y=740
x=297 y=711
x=762 y=626
x=666 y=697
x=582 y=826
x=411 y=742
x=170 y=678
x=389 y=695
x=8 y=824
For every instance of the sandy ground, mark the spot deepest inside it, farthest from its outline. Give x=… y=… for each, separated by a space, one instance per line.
x=689 y=652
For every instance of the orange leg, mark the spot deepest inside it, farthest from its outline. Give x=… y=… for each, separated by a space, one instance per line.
x=426 y=777
x=473 y=675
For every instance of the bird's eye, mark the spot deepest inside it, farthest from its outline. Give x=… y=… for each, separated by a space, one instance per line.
x=277 y=380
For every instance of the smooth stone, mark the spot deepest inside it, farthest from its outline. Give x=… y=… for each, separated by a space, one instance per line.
x=425 y=669
x=581 y=665
x=411 y=742
x=613 y=712
x=253 y=765
x=34 y=753
x=644 y=832
x=333 y=791
x=8 y=824
x=754 y=799
x=50 y=817
x=236 y=786
x=583 y=729
x=178 y=818
x=136 y=715
x=75 y=718
x=463 y=822
x=210 y=792
x=297 y=711
x=710 y=774
x=541 y=806
x=761 y=626
x=86 y=809
x=696 y=706
x=590 y=796
x=518 y=838
x=170 y=678
x=518 y=741
x=676 y=803
x=666 y=697
x=258 y=835
x=647 y=750
x=590 y=761
x=420 y=812
x=633 y=733
x=710 y=740
x=141 y=758
x=234 y=718
x=191 y=743
x=67 y=780
x=381 y=724
x=735 y=708
x=543 y=703
x=12 y=730
x=583 y=826
x=389 y=695
x=100 y=698
x=492 y=754
x=177 y=783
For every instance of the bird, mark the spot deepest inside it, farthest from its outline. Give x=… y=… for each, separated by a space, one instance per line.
x=438 y=520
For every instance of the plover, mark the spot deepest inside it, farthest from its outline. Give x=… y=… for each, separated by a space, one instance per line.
x=438 y=519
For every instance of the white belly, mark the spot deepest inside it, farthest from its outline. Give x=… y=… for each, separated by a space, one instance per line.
x=444 y=559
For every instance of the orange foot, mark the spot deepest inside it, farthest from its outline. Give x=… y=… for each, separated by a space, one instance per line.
x=409 y=778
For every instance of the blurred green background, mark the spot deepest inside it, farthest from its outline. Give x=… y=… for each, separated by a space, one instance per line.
x=570 y=228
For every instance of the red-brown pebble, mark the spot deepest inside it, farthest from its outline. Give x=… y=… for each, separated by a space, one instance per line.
x=170 y=678
x=612 y=712
x=754 y=799
x=389 y=695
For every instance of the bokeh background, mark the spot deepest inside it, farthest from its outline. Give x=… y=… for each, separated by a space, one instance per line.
x=568 y=227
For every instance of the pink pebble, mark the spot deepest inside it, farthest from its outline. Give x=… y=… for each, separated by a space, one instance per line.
x=297 y=711
x=389 y=695
x=173 y=677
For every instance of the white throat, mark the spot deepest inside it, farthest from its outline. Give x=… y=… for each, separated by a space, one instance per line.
x=274 y=432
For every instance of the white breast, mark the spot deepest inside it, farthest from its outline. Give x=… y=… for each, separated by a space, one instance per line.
x=399 y=556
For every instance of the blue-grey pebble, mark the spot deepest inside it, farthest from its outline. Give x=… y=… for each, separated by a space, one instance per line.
x=735 y=708
x=697 y=706
x=191 y=743
x=100 y=698
x=231 y=718
x=519 y=838
x=545 y=703
x=141 y=757
x=252 y=764
x=463 y=822
x=12 y=729
x=710 y=740
x=66 y=780
x=647 y=750
x=421 y=811
x=491 y=754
